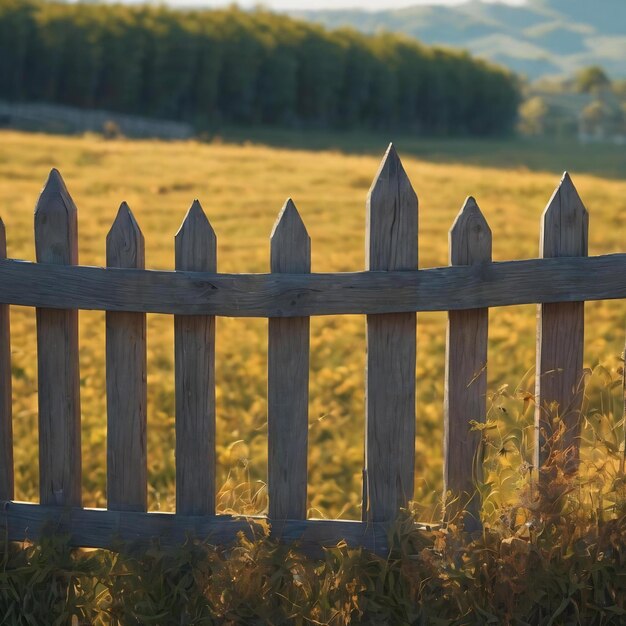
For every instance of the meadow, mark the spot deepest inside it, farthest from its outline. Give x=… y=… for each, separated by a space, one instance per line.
x=242 y=186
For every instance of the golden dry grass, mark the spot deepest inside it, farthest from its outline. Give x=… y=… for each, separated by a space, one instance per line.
x=242 y=189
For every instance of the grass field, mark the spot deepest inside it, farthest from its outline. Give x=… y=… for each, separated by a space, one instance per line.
x=242 y=187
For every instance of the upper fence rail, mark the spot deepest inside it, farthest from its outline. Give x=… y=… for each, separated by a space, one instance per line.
x=389 y=293
x=450 y=288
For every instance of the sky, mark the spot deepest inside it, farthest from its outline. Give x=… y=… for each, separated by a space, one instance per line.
x=279 y=5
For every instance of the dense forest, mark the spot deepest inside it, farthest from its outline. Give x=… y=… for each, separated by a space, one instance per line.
x=212 y=67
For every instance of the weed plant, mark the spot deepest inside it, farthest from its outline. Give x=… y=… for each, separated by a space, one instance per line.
x=552 y=550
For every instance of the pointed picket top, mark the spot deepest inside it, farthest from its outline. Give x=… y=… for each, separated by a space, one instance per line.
x=196 y=242
x=390 y=166
x=54 y=186
x=3 y=240
x=56 y=224
x=54 y=195
x=564 y=223
x=288 y=221
x=470 y=236
x=125 y=243
x=391 y=237
x=195 y=218
x=290 y=244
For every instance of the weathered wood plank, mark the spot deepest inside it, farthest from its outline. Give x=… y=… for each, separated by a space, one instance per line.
x=560 y=330
x=391 y=244
x=194 y=341
x=56 y=242
x=99 y=528
x=127 y=470
x=6 y=404
x=465 y=393
x=288 y=378
x=295 y=295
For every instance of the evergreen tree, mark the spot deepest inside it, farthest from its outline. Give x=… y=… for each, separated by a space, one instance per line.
x=209 y=67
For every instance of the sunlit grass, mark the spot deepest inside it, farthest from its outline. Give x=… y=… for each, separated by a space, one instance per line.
x=242 y=188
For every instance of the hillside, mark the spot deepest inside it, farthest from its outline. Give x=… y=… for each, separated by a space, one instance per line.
x=537 y=39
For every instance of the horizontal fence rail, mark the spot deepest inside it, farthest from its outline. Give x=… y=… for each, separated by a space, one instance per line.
x=531 y=281
x=390 y=292
x=102 y=528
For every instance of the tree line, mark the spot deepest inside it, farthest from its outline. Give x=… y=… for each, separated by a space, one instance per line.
x=229 y=66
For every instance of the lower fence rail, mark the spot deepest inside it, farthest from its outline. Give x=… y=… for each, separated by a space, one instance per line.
x=102 y=528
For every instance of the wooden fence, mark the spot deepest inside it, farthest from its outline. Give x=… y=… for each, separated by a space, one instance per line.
x=389 y=292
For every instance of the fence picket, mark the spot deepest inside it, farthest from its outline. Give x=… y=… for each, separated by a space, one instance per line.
x=194 y=340
x=56 y=242
x=391 y=244
x=127 y=485
x=466 y=373
x=288 y=378
x=560 y=329
x=6 y=404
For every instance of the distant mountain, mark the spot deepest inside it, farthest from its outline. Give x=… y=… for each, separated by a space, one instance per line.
x=538 y=39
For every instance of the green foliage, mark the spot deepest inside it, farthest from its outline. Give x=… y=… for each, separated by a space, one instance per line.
x=231 y=66
x=592 y=79
x=552 y=551
x=48 y=583
x=533 y=113
x=596 y=116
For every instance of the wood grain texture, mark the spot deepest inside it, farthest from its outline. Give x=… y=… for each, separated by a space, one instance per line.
x=194 y=341
x=560 y=330
x=99 y=528
x=127 y=471
x=465 y=392
x=288 y=378
x=56 y=243
x=391 y=244
x=296 y=295
x=6 y=404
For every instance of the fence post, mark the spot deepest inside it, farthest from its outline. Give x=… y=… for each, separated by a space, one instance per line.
x=560 y=331
x=465 y=375
x=56 y=241
x=194 y=340
x=127 y=482
x=6 y=404
x=391 y=244
x=288 y=378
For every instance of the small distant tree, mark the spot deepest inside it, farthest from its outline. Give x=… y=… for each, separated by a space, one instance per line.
x=619 y=89
x=592 y=80
x=533 y=115
x=595 y=118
